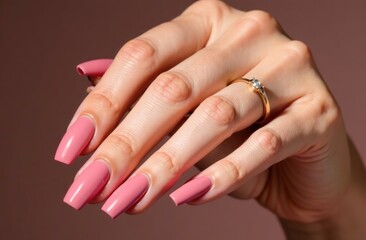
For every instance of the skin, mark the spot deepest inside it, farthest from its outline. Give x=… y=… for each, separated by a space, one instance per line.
x=297 y=164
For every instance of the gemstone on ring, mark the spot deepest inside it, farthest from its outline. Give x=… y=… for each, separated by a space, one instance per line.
x=257 y=87
x=256 y=83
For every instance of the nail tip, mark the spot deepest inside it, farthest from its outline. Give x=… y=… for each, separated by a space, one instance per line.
x=174 y=200
x=63 y=160
x=111 y=210
x=80 y=70
x=96 y=67
x=105 y=210
x=62 y=156
x=73 y=204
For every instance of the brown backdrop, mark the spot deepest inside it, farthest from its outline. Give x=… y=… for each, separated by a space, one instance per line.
x=42 y=41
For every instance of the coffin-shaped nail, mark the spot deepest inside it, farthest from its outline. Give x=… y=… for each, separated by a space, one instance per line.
x=191 y=190
x=88 y=184
x=75 y=140
x=127 y=195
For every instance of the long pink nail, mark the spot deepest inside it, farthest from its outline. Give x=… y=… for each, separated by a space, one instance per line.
x=94 y=68
x=75 y=140
x=191 y=190
x=127 y=195
x=88 y=184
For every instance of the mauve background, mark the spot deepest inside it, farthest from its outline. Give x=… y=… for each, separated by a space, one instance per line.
x=41 y=41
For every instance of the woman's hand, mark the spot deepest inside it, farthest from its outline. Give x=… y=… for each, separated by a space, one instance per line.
x=296 y=164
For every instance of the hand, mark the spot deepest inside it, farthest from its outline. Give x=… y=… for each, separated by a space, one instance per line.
x=296 y=164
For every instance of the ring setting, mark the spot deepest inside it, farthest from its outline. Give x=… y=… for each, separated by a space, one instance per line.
x=256 y=84
x=257 y=87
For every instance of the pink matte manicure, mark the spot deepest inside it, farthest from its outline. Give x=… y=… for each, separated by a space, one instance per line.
x=88 y=184
x=127 y=195
x=191 y=190
x=94 y=68
x=75 y=140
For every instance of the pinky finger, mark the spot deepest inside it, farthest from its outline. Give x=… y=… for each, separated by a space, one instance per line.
x=277 y=140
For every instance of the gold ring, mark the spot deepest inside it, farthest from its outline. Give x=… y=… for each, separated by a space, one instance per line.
x=257 y=87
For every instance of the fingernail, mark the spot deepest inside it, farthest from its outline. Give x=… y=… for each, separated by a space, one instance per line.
x=191 y=190
x=94 y=68
x=75 y=140
x=88 y=184
x=127 y=195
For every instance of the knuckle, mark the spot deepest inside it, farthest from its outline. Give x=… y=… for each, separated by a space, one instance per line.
x=326 y=112
x=247 y=28
x=167 y=161
x=298 y=51
x=213 y=7
x=269 y=141
x=232 y=169
x=211 y=13
x=260 y=16
x=122 y=142
x=172 y=87
x=105 y=101
x=138 y=51
x=261 y=20
x=333 y=114
x=219 y=110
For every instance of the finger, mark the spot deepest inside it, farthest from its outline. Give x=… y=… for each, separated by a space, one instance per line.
x=287 y=135
x=225 y=148
x=229 y=110
x=246 y=166
x=134 y=66
x=247 y=189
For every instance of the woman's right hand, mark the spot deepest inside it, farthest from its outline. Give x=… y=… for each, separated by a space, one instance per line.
x=297 y=164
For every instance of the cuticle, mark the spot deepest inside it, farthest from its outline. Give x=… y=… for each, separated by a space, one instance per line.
x=88 y=115
x=106 y=162
x=148 y=176
x=212 y=178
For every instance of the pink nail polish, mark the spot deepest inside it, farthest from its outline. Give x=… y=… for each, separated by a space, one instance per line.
x=191 y=190
x=88 y=184
x=127 y=195
x=75 y=140
x=94 y=68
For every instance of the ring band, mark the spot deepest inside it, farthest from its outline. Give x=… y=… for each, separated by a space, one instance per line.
x=257 y=87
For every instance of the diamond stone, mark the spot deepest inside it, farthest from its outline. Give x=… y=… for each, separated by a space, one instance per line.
x=256 y=84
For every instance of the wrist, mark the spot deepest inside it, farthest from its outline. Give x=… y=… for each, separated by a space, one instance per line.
x=347 y=221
